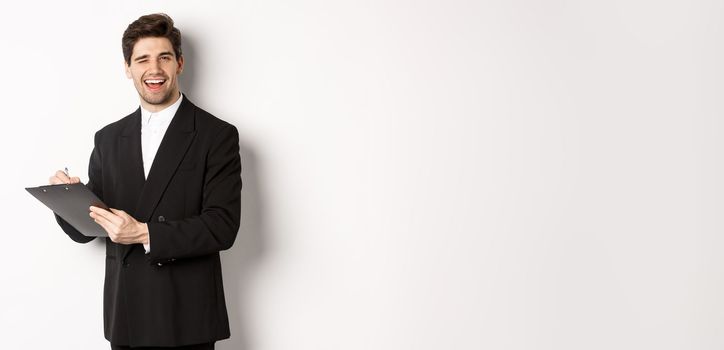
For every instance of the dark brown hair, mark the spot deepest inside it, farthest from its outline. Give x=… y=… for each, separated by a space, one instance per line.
x=157 y=25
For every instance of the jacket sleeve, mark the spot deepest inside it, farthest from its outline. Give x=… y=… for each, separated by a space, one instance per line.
x=215 y=228
x=94 y=184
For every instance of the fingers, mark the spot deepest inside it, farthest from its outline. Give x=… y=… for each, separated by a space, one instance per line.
x=60 y=178
x=55 y=181
x=121 y=227
x=102 y=218
x=105 y=215
x=105 y=224
x=117 y=223
x=60 y=174
x=125 y=218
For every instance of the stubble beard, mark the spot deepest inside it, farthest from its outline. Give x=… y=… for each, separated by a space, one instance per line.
x=157 y=99
x=154 y=99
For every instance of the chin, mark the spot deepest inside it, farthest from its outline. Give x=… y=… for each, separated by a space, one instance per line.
x=157 y=100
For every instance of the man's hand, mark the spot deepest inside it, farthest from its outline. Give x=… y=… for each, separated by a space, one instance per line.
x=121 y=227
x=61 y=178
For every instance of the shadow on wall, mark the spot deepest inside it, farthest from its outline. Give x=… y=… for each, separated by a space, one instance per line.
x=238 y=262
x=188 y=76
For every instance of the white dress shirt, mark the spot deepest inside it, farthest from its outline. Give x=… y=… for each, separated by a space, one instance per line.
x=153 y=127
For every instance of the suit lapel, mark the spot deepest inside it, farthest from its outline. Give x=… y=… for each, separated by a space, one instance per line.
x=175 y=143
x=131 y=158
x=131 y=167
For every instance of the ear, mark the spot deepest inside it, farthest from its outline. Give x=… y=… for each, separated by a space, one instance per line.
x=180 y=65
x=128 y=70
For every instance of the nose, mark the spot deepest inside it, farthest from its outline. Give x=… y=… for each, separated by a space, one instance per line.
x=155 y=66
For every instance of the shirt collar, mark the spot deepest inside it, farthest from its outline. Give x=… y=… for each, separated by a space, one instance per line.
x=164 y=115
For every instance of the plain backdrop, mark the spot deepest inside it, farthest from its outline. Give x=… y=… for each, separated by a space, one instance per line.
x=423 y=175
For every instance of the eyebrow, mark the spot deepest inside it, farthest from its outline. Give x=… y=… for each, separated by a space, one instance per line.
x=142 y=57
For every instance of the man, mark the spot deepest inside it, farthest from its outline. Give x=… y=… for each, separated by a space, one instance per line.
x=171 y=174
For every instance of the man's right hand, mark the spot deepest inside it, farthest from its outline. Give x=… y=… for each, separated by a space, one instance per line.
x=61 y=178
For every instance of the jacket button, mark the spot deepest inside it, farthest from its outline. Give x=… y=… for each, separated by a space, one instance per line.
x=161 y=218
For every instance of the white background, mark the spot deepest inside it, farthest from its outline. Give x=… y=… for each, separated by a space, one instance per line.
x=427 y=175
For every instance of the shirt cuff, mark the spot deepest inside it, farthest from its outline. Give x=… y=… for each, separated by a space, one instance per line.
x=147 y=246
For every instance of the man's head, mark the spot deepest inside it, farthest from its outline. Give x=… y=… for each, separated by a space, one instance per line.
x=153 y=59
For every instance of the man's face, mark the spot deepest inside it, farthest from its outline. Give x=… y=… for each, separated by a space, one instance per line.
x=154 y=69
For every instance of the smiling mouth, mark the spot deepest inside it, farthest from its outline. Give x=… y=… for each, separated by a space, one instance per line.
x=154 y=84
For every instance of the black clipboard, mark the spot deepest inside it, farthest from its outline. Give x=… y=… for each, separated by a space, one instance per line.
x=71 y=202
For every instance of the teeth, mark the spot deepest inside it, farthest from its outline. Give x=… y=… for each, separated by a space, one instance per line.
x=154 y=81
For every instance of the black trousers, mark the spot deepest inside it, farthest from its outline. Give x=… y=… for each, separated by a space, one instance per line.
x=206 y=346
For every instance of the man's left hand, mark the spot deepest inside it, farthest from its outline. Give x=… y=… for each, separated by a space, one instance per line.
x=121 y=227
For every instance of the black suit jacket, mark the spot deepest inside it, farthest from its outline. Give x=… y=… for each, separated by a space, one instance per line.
x=191 y=201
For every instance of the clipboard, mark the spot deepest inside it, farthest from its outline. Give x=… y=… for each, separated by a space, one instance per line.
x=71 y=203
